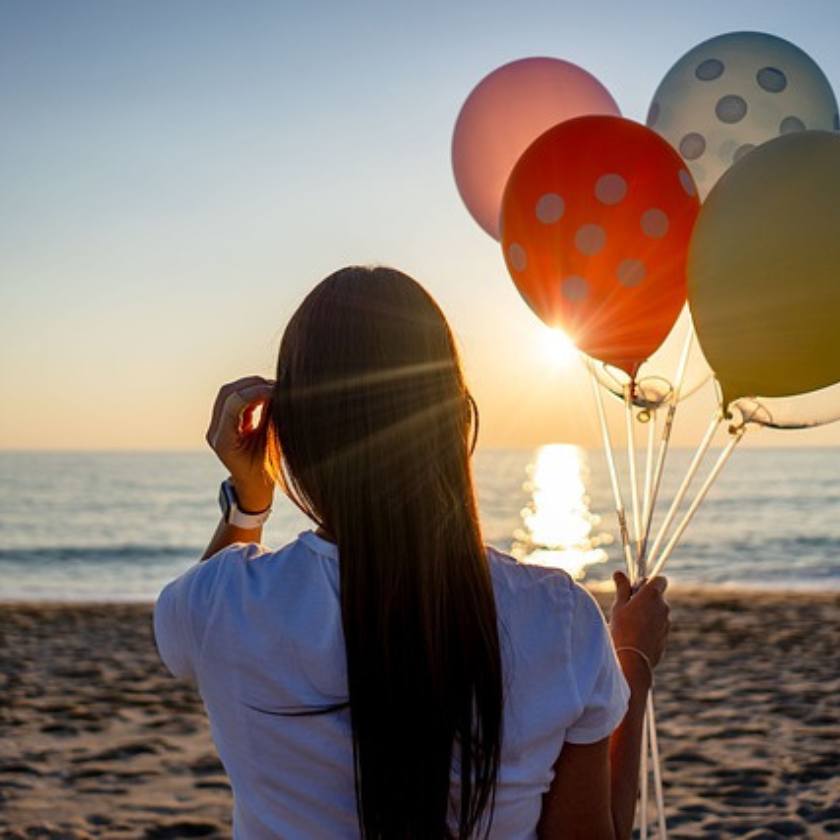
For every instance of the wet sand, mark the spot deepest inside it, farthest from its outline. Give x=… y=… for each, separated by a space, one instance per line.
x=97 y=740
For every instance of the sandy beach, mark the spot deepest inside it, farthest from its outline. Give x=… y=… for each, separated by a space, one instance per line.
x=97 y=740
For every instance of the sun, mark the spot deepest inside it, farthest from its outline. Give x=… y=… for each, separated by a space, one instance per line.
x=558 y=347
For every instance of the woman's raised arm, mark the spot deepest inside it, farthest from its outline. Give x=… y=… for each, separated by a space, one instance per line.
x=239 y=443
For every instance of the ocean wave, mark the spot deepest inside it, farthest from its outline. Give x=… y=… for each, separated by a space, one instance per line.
x=97 y=554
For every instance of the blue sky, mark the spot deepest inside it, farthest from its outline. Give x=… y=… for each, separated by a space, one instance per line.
x=174 y=176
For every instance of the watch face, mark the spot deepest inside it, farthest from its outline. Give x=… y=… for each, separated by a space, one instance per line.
x=227 y=500
x=231 y=512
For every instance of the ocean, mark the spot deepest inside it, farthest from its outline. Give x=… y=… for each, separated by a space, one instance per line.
x=118 y=526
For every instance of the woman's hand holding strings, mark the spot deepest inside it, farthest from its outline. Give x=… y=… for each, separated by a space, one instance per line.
x=640 y=624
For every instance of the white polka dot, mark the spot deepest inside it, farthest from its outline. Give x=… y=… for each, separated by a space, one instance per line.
x=772 y=79
x=731 y=108
x=610 y=189
x=687 y=183
x=590 y=239
x=692 y=146
x=575 y=289
x=709 y=70
x=631 y=272
x=790 y=125
x=654 y=223
x=517 y=257
x=550 y=208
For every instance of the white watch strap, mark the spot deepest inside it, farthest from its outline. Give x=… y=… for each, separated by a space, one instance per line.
x=248 y=521
x=234 y=515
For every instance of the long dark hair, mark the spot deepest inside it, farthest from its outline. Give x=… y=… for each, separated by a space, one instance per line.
x=374 y=427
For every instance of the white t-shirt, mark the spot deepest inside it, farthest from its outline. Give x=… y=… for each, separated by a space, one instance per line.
x=260 y=633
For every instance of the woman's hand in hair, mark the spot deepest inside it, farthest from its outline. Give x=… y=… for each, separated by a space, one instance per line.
x=237 y=434
x=640 y=620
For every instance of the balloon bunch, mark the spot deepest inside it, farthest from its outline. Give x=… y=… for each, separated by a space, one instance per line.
x=755 y=118
x=721 y=214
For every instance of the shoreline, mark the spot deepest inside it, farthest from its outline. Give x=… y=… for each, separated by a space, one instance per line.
x=602 y=589
x=97 y=740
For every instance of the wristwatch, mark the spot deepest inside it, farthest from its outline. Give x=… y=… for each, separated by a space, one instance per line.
x=233 y=514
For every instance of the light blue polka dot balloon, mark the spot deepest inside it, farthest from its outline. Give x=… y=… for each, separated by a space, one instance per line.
x=735 y=92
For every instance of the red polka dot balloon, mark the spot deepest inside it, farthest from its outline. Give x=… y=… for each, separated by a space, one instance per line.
x=596 y=219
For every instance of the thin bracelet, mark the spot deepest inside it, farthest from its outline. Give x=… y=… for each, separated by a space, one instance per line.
x=641 y=653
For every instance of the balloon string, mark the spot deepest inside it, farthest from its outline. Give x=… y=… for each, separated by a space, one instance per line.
x=616 y=488
x=631 y=465
x=683 y=363
x=657 y=768
x=644 y=793
x=657 y=480
x=683 y=489
x=653 y=478
x=647 y=509
x=651 y=761
x=651 y=742
x=663 y=447
x=737 y=435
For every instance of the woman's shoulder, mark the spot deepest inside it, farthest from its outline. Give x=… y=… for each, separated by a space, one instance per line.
x=536 y=595
x=247 y=602
x=302 y=553
x=248 y=572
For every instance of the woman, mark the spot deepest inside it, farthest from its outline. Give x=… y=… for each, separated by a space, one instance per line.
x=422 y=685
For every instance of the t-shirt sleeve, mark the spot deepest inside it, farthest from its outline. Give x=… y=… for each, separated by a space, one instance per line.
x=602 y=689
x=185 y=605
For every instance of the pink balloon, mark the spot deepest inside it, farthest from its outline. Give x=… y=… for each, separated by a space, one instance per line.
x=504 y=114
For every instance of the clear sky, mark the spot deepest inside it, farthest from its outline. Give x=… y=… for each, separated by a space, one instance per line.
x=176 y=174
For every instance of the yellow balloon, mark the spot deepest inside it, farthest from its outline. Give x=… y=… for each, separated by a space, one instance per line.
x=764 y=269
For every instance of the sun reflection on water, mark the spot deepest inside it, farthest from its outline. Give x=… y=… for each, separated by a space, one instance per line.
x=559 y=528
